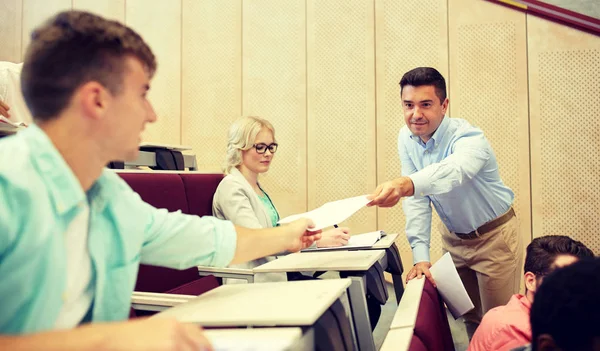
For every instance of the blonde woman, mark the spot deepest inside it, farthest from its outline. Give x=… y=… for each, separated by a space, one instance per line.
x=239 y=197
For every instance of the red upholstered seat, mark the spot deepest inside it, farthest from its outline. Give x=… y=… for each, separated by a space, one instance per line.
x=192 y=193
x=432 y=330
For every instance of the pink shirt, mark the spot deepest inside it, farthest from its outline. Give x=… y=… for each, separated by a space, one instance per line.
x=504 y=327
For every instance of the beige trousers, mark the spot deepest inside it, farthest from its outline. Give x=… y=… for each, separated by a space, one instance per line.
x=489 y=267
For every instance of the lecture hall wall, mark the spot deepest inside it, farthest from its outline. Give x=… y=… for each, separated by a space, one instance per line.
x=326 y=73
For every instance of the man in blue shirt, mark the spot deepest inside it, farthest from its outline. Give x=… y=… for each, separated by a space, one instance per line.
x=450 y=164
x=72 y=233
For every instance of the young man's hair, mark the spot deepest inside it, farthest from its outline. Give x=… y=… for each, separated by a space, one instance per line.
x=567 y=307
x=542 y=252
x=71 y=49
x=425 y=76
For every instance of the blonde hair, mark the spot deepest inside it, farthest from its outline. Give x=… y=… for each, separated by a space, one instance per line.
x=241 y=136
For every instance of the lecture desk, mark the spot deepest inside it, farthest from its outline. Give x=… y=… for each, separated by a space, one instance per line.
x=280 y=304
x=249 y=339
x=357 y=263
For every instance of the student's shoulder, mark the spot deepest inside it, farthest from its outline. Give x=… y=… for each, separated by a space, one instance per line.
x=231 y=182
x=20 y=182
x=16 y=165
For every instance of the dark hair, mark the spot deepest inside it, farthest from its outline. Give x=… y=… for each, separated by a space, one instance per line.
x=542 y=252
x=567 y=307
x=425 y=76
x=71 y=49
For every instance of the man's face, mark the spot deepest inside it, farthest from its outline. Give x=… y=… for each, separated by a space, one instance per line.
x=129 y=112
x=423 y=110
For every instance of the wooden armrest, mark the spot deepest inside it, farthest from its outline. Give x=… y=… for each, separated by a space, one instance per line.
x=158 y=299
x=406 y=314
x=215 y=271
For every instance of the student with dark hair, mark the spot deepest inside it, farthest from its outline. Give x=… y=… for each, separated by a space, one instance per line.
x=72 y=233
x=449 y=163
x=565 y=315
x=506 y=327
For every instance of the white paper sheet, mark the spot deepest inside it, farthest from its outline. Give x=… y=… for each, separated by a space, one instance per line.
x=450 y=286
x=332 y=212
x=356 y=241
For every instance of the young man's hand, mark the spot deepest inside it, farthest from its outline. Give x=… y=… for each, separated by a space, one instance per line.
x=4 y=108
x=299 y=236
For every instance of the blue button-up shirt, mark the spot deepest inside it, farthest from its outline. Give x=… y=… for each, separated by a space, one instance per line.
x=457 y=171
x=39 y=196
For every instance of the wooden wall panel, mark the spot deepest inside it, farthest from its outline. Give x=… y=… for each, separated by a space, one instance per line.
x=341 y=105
x=11 y=16
x=274 y=87
x=36 y=12
x=564 y=76
x=160 y=26
x=211 y=80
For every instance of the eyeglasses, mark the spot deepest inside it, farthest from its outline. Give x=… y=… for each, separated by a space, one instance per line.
x=261 y=148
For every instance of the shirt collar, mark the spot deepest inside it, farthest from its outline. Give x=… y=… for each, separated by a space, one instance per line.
x=437 y=136
x=64 y=188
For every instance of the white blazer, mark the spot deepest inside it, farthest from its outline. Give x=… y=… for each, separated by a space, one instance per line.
x=236 y=201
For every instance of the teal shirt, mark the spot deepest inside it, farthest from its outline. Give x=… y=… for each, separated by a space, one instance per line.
x=273 y=215
x=40 y=195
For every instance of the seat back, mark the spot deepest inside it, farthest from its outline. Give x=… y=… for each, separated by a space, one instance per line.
x=190 y=192
x=432 y=329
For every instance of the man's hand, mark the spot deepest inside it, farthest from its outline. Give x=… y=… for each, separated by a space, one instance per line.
x=4 y=109
x=299 y=237
x=137 y=335
x=334 y=237
x=389 y=193
x=420 y=269
x=156 y=334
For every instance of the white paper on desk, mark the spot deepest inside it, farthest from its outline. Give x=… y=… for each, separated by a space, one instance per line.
x=450 y=286
x=365 y=240
x=331 y=213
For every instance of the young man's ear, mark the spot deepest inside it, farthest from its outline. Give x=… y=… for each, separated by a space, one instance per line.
x=95 y=99
x=545 y=342
x=530 y=282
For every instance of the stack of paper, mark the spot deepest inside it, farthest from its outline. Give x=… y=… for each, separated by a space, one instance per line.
x=357 y=241
x=332 y=212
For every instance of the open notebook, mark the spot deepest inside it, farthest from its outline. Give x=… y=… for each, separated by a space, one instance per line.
x=358 y=241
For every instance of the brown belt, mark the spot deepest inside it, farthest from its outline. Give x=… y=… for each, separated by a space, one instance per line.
x=489 y=226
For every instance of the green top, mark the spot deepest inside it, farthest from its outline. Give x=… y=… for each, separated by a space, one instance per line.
x=269 y=207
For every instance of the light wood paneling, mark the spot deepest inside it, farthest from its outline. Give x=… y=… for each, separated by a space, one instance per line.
x=341 y=105
x=110 y=9
x=274 y=87
x=11 y=12
x=564 y=76
x=409 y=34
x=211 y=89
x=36 y=12
x=160 y=26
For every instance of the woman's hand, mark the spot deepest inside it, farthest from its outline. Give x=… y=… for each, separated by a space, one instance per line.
x=334 y=237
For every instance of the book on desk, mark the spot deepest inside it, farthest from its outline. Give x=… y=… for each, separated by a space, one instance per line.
x=357 y=241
